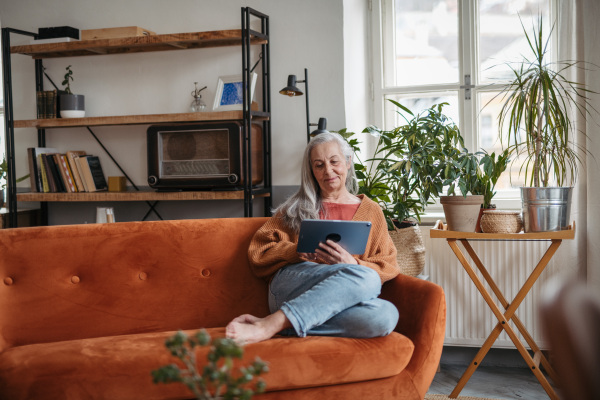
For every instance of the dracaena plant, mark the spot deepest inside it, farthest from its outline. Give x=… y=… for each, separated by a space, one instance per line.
x=534 y=120
x=216 y=380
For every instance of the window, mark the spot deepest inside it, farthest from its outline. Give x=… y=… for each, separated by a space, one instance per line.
x=453 y=51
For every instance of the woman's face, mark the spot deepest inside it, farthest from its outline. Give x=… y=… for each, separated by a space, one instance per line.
x=329 y=167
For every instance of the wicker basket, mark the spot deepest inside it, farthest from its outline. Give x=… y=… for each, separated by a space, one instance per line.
x=496 y=221
x=410 y=248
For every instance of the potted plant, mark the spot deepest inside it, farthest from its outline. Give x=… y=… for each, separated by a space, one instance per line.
x=406 y=173
x=475 y=175
x=215 y=381
x=3 y=183
x=71 y=105
x=534 y=122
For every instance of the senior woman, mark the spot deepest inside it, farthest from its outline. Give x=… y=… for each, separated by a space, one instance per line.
x=329 y=292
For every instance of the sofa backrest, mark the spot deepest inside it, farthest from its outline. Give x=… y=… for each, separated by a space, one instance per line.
x=81 y=281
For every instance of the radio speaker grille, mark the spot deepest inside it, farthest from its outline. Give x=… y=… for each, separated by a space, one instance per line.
x=195 y=168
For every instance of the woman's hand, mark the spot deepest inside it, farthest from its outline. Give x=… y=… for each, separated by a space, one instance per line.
x=309 y=256
x=332 y=253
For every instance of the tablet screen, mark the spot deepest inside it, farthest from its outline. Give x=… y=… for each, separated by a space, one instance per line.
x=351 y=235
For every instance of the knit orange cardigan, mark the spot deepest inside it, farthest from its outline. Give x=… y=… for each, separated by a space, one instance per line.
x=274 y=245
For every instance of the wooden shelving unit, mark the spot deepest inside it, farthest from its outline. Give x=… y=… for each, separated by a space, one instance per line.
x=244 y=38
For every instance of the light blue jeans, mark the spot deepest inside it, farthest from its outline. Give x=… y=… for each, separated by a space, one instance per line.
x=332 y=300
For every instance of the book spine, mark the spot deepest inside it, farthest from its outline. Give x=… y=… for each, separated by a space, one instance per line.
x=64 y=171
x=51 y=110
x=43 y=173
x=71 y=155
x=33 y=171
x=71 y=174
x=61 y=186
x=98 y=179
x=81 y=163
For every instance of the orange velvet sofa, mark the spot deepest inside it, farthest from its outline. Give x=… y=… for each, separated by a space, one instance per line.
x=85 y=311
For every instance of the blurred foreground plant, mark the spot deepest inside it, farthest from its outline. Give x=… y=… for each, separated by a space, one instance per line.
x=216 y=380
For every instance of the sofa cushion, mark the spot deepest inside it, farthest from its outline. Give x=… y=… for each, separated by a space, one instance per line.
x=119 y=367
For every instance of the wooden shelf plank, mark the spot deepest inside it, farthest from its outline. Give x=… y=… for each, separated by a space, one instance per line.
x=133 y=119
x=136 y=44
x=440 y=230
x=133 y=195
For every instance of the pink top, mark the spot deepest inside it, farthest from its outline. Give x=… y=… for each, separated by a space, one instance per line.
x=338 y=211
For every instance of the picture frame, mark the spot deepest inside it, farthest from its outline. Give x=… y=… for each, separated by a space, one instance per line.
x=229 y=95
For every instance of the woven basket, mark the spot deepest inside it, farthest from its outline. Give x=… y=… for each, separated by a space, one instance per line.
x=410 y=248
x=496 y=221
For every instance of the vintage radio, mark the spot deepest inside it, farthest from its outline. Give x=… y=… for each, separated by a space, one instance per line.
x=201 y=156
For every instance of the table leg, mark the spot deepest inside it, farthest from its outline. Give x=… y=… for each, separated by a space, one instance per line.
x=540 y=358
x=503 y=318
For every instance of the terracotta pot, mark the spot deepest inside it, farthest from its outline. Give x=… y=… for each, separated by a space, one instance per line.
x=461 y=212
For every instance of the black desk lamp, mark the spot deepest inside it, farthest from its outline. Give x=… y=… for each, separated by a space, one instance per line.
x=292 y=90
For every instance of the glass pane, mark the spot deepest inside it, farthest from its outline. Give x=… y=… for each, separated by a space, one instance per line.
x=425 y=43
x=501 y=36
x=489 y=139
x=418 y=102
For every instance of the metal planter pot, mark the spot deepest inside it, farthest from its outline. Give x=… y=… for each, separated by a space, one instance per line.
x=546 y=209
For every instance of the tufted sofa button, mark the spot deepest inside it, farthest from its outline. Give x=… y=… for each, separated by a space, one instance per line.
x=143 y=276
x=75 y=279
x=8 y=281
x=206 y=272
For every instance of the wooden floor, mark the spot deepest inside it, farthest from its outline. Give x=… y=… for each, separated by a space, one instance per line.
x=495 y=382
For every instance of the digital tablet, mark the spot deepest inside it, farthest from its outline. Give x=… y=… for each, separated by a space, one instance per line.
x=351 y=235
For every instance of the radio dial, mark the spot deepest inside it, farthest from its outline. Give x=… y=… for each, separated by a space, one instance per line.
x=152 y=180
x=233 y=178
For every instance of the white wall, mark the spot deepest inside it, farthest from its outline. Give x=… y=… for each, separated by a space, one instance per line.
x=303 y=34
x=357 y=60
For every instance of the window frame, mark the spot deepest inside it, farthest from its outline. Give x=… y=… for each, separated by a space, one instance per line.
x=468 y=38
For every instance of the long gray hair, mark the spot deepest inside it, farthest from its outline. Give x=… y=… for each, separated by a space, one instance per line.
x=306 y=202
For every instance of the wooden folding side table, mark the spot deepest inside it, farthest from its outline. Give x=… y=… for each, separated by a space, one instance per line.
x=440 y=231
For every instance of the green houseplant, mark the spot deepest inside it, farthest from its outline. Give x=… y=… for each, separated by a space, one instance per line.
x=70 y=105
x=3 y=183
x=535 y=122
x=475 y=174
x=216 y=380
x=406 y=173
x=409 y=165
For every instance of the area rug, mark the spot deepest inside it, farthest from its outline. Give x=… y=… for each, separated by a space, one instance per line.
x=444 y=397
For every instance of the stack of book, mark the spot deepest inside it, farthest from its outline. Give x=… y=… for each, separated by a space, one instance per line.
x=47 y=104
x=75 y=171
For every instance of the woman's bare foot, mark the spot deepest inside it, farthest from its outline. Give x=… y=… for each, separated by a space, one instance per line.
x=247 y=329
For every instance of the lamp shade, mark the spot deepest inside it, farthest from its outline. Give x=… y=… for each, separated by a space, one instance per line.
x=291 y=89
x=321 y=127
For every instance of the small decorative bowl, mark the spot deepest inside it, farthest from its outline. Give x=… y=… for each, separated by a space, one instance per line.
x=497 y=221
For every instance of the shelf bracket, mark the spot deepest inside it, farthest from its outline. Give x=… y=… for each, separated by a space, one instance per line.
x=152 y=209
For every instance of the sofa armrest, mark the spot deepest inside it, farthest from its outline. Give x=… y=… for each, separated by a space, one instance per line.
x=422 y=308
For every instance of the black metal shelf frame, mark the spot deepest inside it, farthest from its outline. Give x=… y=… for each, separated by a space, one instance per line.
x=249 y=191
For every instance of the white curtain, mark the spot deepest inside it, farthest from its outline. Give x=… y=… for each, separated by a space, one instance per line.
x=579 y=31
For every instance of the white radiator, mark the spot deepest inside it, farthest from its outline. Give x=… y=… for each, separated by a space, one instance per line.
x=469 y=320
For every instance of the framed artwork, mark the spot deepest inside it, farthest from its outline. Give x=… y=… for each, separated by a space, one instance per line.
x=229 y=94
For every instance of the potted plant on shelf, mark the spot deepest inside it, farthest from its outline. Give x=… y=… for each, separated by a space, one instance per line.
x=71 y=105
x=3 y=183
x=406 y=173
x=216 y=380
x=475 y=175
x=534 y=122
